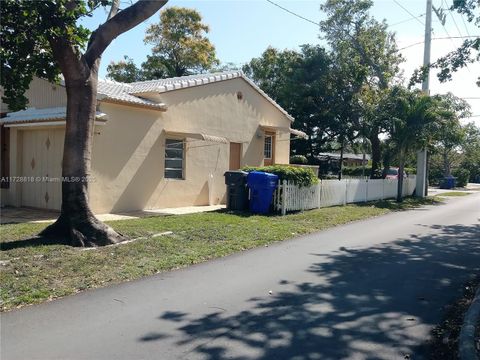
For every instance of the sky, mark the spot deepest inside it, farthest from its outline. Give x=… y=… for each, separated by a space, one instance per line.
x=241 y=30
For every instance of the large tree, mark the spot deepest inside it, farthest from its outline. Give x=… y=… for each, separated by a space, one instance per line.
x=471 y=151
x=414 y=119
x=363 y=48
x=303 y=84
x=450 y=135
x=43 y=38
x=180 y=47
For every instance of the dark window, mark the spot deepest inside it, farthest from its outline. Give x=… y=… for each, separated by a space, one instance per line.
x=174 y=158
x=5 y=156
x=267 y=150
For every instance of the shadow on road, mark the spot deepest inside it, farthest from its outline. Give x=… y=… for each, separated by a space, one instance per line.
x=375 y=303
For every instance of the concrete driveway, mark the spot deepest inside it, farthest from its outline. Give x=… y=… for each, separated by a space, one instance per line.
x=367 y=290
x=14 y=215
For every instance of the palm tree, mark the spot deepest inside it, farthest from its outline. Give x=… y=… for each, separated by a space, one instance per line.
x=414 y=119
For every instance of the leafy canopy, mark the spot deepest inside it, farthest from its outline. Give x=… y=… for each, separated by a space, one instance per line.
x=467 y=53
x=415 y=118
x=303 y=84
x=26 y=29
x=180 y=47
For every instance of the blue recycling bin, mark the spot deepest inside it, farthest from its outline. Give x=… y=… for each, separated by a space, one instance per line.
x=448 y=182
x=262 y=185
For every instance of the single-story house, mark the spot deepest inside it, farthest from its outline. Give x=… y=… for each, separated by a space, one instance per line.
x=348 y=158
x=161 y=143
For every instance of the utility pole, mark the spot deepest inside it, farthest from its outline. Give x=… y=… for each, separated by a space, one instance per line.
x=421 y=189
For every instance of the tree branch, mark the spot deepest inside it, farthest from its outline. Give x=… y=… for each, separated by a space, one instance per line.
x=118 y=24
x=68 y=59
x=113 y=9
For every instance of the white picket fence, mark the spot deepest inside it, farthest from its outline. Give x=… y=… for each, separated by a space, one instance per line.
x=290 y=197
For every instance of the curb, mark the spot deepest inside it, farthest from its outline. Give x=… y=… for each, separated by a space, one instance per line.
x=466 y=340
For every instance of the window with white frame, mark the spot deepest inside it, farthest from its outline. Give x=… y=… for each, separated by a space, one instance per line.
x=174 y=158
x=267 y=150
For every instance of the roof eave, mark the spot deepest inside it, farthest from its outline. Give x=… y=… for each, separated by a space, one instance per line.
x=157 y=107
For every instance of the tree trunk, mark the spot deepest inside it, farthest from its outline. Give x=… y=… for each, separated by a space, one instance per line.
x=401 y=167
x=376 y=153
x=446 y=164
x=77 y=226
x=341 y=160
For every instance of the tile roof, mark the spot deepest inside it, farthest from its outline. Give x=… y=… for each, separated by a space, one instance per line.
x=176 y=83
x=38 y=115
x=109 y=90
x=345 y=156
x=120 y=92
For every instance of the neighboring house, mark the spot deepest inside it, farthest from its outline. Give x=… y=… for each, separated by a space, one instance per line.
x=161 y=143
x=331 y=161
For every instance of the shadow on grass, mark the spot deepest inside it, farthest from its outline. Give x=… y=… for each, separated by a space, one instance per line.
x=407 y=203
x=31 y=242
x=375 y=303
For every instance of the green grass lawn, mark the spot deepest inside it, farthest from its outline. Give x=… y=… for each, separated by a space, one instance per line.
x=453 y=193
x=33 y=274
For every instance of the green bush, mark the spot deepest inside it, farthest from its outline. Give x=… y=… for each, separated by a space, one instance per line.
x=462 y=176
x=298 y=159
x=356 y=170
x=411 y=170
x=329 y=177
x=435 y=175
x=298 y=175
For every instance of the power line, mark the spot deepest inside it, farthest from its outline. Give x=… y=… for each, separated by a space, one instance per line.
x=464 y=24
x=406 y=20
x=293 y=13
x=453 y=18
x=439 y=38
x=408 y=11
x=444 y=28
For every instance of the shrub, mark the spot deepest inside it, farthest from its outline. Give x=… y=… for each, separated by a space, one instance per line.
x=298 y=175
x=329 y=177
x=356 y=170
x=411 y=170
x=462 y=176
x=298 y=159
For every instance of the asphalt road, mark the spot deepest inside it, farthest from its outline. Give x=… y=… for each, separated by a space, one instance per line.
x=367 y=290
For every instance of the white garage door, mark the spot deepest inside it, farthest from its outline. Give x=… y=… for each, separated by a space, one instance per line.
x=42 y=159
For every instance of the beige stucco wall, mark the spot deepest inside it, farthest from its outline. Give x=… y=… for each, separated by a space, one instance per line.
x=42 y=94
x=128 y=151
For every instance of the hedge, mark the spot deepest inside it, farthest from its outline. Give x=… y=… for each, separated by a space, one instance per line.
x=462 y=176
x=358 y=171
x=298 y=159
x=297 y=175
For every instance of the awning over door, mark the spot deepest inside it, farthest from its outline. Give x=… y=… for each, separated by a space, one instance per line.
x=298 y=133
x=199 y=136
x=276 y=129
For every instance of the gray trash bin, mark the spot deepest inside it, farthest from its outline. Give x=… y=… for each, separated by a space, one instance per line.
x=237 y=191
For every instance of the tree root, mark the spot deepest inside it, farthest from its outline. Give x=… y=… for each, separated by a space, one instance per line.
x=86 y=231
